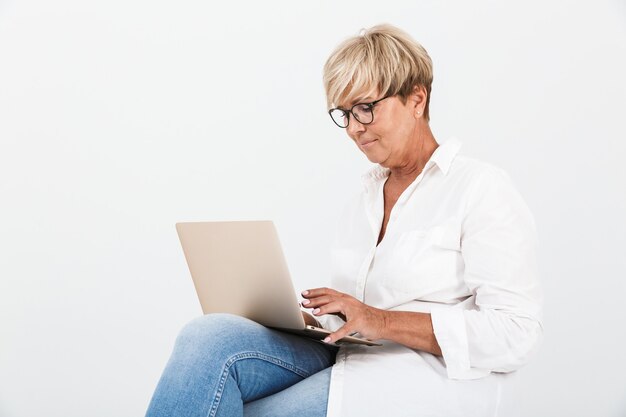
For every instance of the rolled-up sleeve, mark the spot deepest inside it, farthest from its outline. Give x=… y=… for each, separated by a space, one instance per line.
x=502 y=329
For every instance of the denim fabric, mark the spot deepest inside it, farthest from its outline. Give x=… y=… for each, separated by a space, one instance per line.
x=224 y=365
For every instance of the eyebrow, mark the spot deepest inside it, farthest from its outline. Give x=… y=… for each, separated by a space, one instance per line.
x=365 y=99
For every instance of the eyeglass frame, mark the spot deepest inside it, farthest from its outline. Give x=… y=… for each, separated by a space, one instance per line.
x=370 y=106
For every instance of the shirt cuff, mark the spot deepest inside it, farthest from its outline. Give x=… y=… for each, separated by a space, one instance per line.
x=449 y=329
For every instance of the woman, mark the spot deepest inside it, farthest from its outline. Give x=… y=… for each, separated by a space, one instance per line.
x=435 y=259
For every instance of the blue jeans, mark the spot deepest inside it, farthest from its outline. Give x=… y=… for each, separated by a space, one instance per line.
x=224 y=365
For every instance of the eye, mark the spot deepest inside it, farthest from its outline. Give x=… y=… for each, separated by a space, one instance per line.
x=363 y=108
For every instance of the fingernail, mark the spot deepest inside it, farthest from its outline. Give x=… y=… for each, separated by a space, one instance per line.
x=326 y=340
x=305 y=302
x=317 y=310
x=305 y=292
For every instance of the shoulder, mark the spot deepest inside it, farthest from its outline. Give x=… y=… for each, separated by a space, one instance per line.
x=490 y=192
x=474 y=170
x=475 y=178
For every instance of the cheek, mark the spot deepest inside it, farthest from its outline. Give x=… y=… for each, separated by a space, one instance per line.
x=405 y=126
x=391 y=138
x=398 y=126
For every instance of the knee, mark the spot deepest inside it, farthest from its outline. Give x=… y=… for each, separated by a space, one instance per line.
x=217 y=329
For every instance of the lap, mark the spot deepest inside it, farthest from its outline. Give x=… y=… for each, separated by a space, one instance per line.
x=231 y=335
x=261 y=361
x=221 y=361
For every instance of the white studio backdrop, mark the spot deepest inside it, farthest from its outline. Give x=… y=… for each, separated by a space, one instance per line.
x=120 y=118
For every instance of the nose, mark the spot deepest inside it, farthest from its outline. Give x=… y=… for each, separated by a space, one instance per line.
x=354 y=127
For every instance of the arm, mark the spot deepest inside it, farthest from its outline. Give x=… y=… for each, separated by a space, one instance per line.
x=498 y=245
x=414 y=330
x=502 y=327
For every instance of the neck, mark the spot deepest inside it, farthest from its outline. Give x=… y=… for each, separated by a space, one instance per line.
x=419 y=150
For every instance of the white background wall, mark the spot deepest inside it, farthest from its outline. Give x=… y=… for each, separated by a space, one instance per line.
x=119 y=118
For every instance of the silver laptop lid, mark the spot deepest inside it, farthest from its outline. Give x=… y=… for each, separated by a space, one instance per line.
x=239 y=268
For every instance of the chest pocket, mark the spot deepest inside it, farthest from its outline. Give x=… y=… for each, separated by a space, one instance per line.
x=426 y=260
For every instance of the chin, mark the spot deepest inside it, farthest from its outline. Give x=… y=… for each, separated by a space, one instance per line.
x=376 y=159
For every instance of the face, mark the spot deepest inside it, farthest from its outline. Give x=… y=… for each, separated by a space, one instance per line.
x=390 y=138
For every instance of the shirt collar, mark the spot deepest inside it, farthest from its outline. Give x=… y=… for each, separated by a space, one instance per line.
x=442 y=157
x=445 y=154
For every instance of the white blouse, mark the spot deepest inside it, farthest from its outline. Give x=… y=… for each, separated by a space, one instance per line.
x=460 y=243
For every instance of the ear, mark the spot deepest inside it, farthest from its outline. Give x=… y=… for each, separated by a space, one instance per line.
x=418 y=99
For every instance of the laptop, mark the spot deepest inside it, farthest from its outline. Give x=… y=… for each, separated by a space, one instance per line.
x=238 y=267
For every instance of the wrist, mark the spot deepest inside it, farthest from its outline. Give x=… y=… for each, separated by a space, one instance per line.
x=385 y=317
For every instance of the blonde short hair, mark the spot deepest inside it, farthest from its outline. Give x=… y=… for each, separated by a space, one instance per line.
x=381 y=59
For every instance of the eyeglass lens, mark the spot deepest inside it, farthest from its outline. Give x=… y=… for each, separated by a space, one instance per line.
x=361 y=112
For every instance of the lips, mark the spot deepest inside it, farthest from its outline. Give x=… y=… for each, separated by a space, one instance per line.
x=367 y=142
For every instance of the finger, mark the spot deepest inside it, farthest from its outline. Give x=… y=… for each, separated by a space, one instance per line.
x=317 y=301
x=340 y=333
x=316 y=292
x=334 y=307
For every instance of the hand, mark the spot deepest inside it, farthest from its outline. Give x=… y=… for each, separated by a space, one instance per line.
x=370 y=322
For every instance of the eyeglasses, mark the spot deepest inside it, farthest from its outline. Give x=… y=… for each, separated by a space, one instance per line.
x=362 y=112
